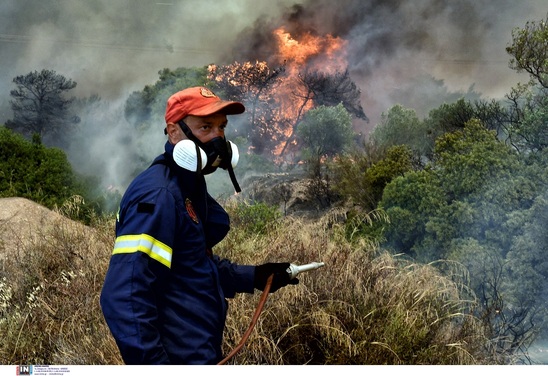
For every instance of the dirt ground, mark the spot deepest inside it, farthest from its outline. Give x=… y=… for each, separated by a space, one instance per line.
x=23 y=222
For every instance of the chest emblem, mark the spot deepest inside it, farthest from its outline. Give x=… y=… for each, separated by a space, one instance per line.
x=191 y=211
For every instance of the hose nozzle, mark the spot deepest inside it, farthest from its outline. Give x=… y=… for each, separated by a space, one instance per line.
x=294 y=270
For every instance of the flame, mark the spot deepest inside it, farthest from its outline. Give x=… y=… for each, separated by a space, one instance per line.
x=295 y=51
x=290 y=98
x=308 y=52
x=311 y=51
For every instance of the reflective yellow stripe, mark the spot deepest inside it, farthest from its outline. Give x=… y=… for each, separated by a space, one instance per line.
x=146 y=244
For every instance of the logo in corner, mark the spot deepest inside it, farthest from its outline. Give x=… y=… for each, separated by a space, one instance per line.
x=191 y=211
x=207 y=93
x=24 y=370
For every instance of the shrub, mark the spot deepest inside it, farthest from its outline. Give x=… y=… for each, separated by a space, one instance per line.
x=253 y=218
x=29 y=169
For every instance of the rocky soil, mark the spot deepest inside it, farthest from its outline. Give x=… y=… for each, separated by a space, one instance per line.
x=24 y=222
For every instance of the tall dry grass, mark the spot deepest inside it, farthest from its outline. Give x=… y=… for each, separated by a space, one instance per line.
x=364 y=307
x=49 y=296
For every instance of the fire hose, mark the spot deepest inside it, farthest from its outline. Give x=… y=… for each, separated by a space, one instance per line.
x=293 y=271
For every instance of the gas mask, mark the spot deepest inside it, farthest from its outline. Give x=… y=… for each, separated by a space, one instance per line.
x=205 y=158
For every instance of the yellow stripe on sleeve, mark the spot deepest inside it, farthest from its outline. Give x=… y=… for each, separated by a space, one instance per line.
x=146 y=244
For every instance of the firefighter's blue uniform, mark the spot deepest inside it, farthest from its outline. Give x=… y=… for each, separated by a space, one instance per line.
x=164 y=292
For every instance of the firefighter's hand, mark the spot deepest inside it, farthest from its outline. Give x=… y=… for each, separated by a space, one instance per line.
x=281 y=276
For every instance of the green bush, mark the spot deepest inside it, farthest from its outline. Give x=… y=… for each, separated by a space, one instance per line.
x=31 y=170
x=253 y=218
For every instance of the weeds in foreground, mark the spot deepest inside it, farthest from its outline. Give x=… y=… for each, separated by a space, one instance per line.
x=364 y=307
x=49 y=297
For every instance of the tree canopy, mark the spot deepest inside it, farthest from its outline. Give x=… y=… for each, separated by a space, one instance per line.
x=529 y=50
x=40 y=106
x=31 y=170
x=326 y=131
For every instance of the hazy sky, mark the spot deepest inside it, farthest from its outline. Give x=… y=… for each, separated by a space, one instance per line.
x=112 y=47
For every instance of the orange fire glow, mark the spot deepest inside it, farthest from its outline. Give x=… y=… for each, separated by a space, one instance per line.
x=325 y=53
x=291 y=97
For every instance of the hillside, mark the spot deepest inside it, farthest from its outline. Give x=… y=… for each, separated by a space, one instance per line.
x=51 y=272
x=364 y=307
x=24 y=222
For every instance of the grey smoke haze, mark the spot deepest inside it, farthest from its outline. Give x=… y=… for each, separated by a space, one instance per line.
x=395 y=43
x=114 y=47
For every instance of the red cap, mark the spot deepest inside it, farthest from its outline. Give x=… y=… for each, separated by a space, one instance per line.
x=198 y=101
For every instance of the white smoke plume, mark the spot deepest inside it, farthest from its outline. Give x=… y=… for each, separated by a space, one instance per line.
x=114 y=47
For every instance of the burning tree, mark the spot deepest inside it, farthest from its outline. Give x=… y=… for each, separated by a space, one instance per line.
x=255 y=85
x=308 y=76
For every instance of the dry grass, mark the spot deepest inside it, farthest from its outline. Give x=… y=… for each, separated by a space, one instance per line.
x=364 y=307
x=49 y=292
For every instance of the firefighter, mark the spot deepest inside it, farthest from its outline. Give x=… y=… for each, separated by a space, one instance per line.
x=164 y=294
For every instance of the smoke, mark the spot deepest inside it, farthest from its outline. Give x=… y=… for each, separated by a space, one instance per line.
x=112 y=48
x=416 y=53
x=392 y=43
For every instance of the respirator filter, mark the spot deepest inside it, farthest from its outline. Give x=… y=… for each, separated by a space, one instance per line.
x=189 y=156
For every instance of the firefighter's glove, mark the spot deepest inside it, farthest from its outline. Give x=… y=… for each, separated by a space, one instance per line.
x=281 y=276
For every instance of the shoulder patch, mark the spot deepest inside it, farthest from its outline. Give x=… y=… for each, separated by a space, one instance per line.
x=191 y=211
x=145 y=207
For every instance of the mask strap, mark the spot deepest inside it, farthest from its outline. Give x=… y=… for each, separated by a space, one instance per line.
x=233 y=178
x=198 y=159
x=198 y=164
x=186 y=130
x=231 y=170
